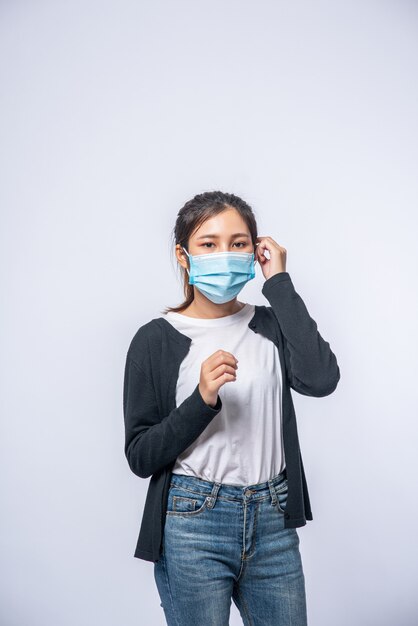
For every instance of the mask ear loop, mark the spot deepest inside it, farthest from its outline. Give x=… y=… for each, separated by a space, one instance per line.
x=187 y=269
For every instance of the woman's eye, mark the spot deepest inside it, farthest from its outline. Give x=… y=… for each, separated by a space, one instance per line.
x=240 y=244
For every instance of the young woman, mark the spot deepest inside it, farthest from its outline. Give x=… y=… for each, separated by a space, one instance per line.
x=209 y=416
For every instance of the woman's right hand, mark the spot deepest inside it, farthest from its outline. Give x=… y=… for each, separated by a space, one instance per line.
x=219 y=368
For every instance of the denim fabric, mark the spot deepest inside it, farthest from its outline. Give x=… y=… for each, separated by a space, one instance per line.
x=224 y=542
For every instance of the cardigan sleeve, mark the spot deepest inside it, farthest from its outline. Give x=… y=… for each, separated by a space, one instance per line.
x=153 y=441
x=311 y=365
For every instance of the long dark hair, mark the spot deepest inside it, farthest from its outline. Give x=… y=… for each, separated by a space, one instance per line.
x=192 y=215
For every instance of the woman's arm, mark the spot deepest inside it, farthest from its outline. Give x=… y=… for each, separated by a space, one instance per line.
x=152 y=441
x=311 y=365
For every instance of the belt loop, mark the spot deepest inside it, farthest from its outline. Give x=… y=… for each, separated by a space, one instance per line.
x=272 y=492
x=211 y=500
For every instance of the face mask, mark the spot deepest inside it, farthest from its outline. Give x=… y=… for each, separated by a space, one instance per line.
x=220 y=276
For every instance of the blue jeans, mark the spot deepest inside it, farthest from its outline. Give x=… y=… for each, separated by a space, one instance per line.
x=226 y=541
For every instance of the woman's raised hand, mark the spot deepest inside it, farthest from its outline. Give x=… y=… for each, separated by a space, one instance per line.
x=277 y=261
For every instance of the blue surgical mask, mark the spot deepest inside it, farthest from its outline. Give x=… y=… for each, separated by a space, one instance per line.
x=220 y=276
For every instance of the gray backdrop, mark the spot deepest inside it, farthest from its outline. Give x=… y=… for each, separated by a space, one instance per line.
x=113 y=115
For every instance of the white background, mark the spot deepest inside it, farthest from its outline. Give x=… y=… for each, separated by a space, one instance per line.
x=113 y=115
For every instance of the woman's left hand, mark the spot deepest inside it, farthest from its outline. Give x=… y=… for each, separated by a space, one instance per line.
x=277 y=261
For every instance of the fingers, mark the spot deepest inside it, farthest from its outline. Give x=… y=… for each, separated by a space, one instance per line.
x=220 y=362
x=277 y=252
x=224 y=371
x=221 y=357
x=267 y=242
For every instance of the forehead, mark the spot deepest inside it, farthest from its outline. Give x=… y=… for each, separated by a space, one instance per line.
x=228 y=223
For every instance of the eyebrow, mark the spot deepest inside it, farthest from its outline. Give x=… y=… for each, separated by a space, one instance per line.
x=214 y=236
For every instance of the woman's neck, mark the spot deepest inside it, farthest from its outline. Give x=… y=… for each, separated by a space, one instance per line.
x=206 y=309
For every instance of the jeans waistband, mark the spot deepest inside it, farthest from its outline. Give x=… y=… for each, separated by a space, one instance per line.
x=213 y=488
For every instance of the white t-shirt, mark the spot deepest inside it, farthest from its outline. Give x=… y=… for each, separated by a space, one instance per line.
x=243 y=444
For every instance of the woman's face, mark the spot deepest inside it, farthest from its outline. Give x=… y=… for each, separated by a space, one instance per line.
x=225 y=232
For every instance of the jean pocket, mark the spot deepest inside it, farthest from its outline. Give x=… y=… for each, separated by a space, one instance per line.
x=281 y=494
x=184 y=503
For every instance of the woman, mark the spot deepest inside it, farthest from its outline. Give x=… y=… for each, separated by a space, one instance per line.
x=209 y=417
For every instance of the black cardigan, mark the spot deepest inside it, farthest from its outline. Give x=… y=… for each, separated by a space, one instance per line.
x=157 y=431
